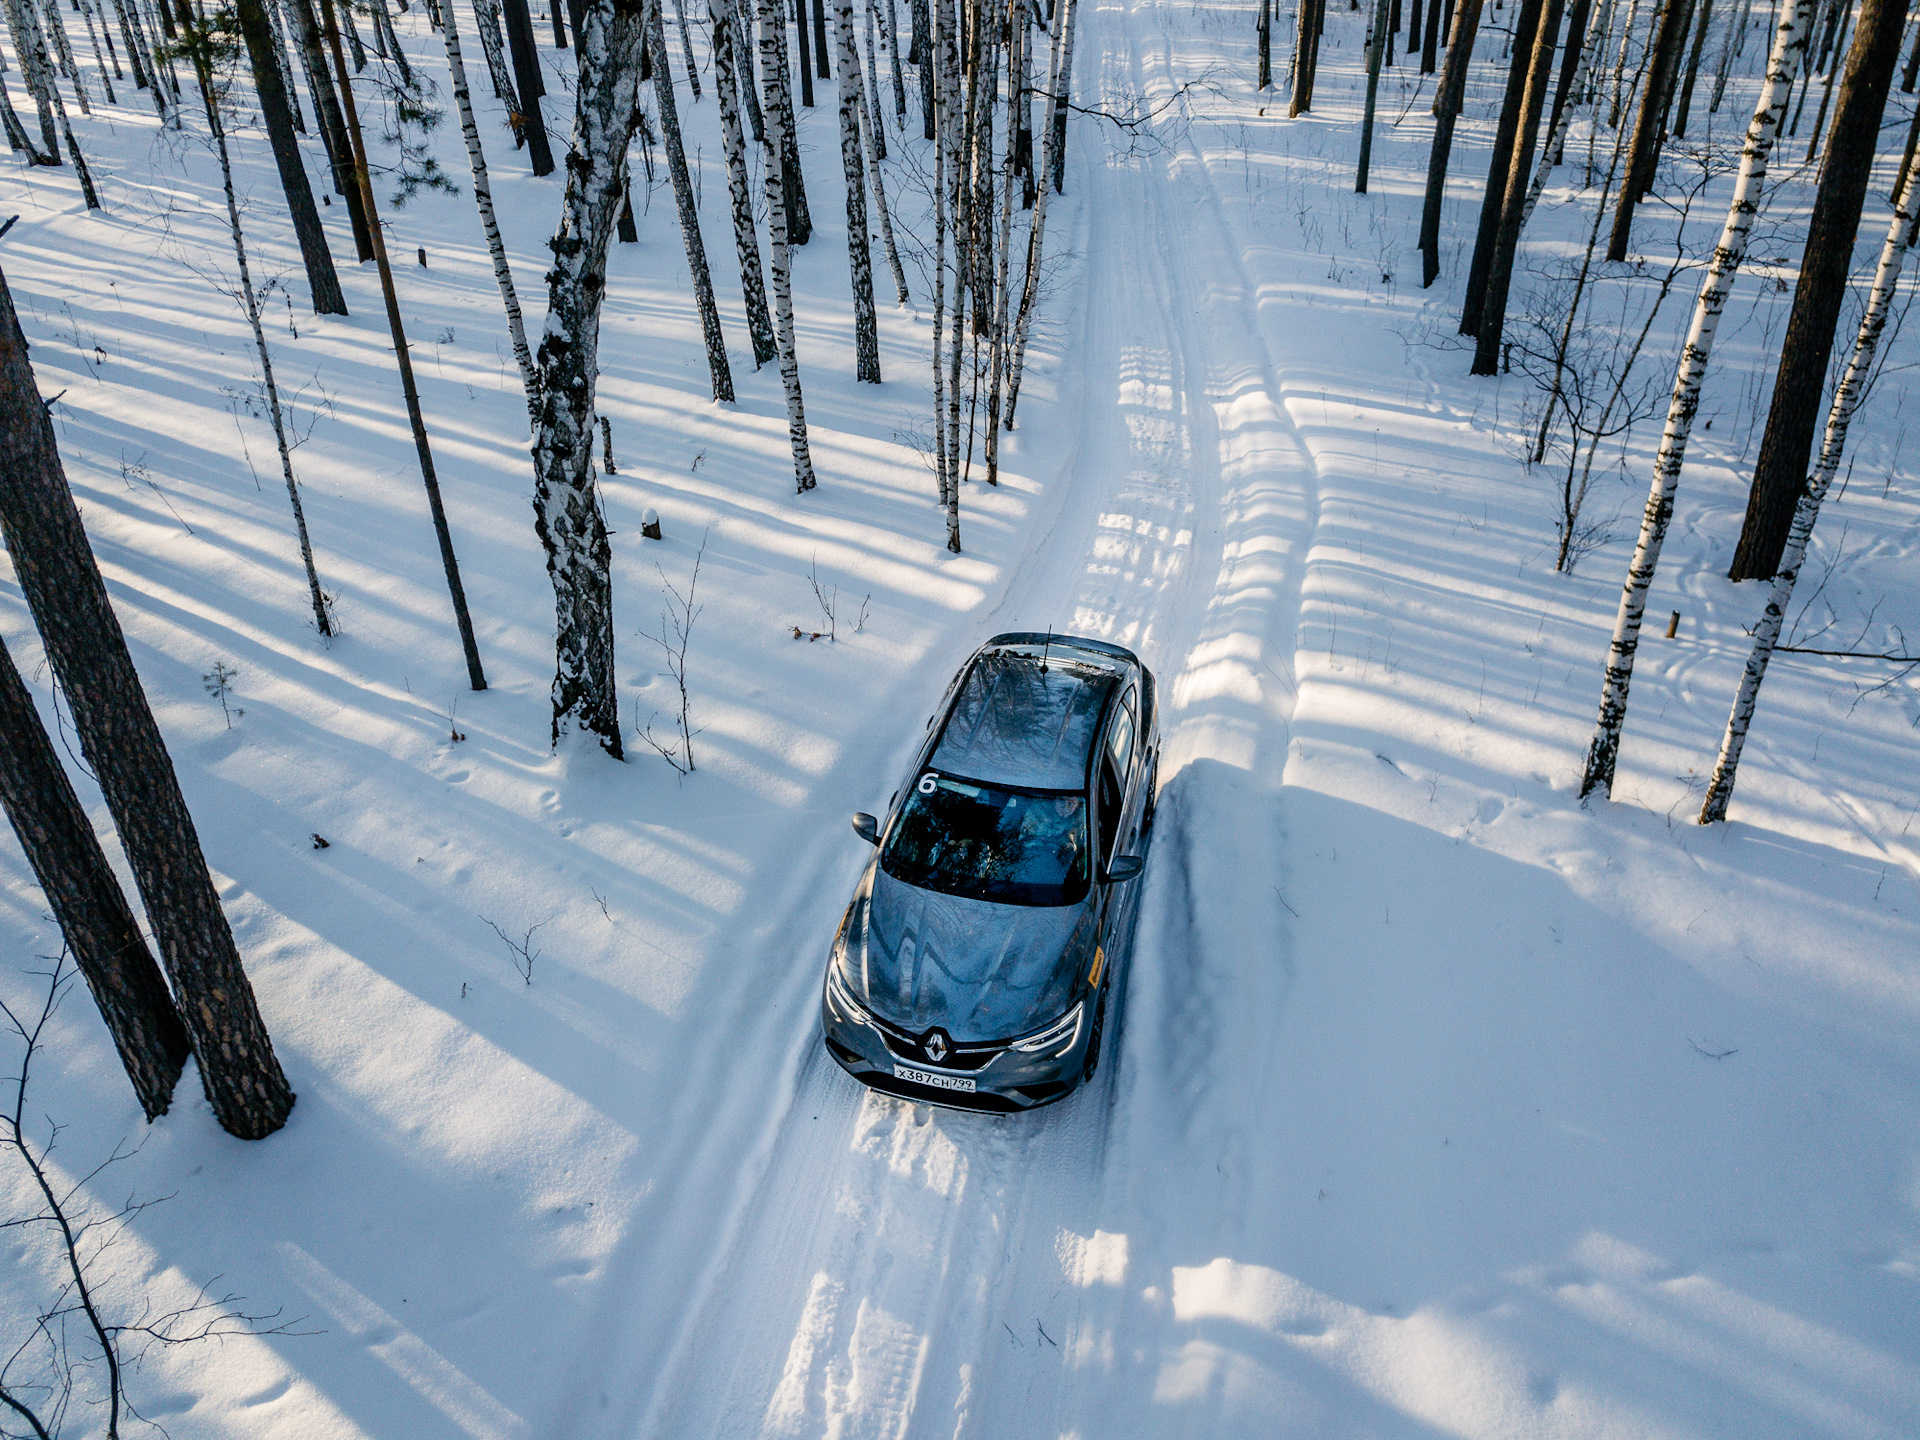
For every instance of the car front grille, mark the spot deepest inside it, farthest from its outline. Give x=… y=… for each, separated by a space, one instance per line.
x=905 y=1045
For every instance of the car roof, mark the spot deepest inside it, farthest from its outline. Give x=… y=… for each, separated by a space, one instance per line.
x=1020 y=720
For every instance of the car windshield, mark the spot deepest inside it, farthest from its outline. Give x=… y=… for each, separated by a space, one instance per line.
x=984 y=843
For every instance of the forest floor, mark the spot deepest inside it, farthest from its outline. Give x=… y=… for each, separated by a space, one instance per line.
x=1439 y=1104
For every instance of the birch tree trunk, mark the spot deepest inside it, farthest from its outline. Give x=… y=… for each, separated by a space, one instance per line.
x=92 y=911
x=132 y=48
x=1037 y=234
x=35 y=67
x=566 y=501
x=1785 y=446
x=483 y=200
x=792 y=180
x=1062 y=90
x=1846 y=399
x=1789 y=49
x=1451 y=92
x=890 y=31
x=686 y=47
x=1002 y=277
x=779 y=110
x=939 y=128
x=875 y=124
x=866 y=328
x=244 y=1084
x=718 y=370
x=727 y=78
x=870 y=97
x=216 y=127
x=99 y=60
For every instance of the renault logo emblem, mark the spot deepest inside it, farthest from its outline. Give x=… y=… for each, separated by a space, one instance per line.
x=936 y=1046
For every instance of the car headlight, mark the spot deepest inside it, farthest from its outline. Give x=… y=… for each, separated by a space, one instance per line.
x=1063 y=1032
x=840 y=994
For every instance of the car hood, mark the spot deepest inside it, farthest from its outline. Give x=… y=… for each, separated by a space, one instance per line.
x=977 y=969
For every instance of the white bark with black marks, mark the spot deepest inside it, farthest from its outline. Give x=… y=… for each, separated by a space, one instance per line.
x=1037 y=232
x=779 y=115
x=1789 y=50
x=483 y=199
x=728 y=76
x=874 y=126
x=866 y=328
x=1846 y=399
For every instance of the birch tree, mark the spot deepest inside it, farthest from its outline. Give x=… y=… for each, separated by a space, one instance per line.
x=873 y=125
x=1037 y=231
x=566 y=501
x=1789 y=49
x=1846 y=399
x=727 y=79
x=866 y=328
x=483 y=200
x=718 y=370
x=1785 y=446
x=779 y=114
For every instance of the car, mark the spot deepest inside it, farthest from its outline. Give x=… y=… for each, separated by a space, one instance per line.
x=975 y=966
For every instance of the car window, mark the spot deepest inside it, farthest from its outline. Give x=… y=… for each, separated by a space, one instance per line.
x=983 y=842
x=1110 y=802
x=1120 y=737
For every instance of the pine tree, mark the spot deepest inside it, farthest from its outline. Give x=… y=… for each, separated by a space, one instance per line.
x=1446 y=109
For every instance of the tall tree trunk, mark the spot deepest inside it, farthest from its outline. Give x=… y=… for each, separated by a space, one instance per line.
x=1571 y=76
x=99 y=61
x=87 y=901
x=1306 y=56
x=793 y=189
x=333 y=125
x=1846 y=398
x=1063 y=93
x=1263 y=41
x=870 y=103
x=456 y=591
x=483 y=199
x=1376 y=52
x=322 y=282
x=779 y=107
x=952 y=144
x=29 y=45
x=1789 y=50
x=824 y=70
x=1002 y=277
x=486 y=19
x=686 y=48
x=745 y=47
x=1693 y=67
x=799 y=13
x=727 y=73
x=133 y=49
x=891 y=34
x=866 y=328
x=1912 y=75
x=1446 y=109
x=1525 y=23
x=1430 y=42
x=874 y=124
x=922 y=58
x=244 y=1084
x=1643 y=155
x=1616 y=108
x=1037 y=236
x=527 y=75
x=566 y=501
x=718 y=370
x=1780 y=474
x=203 y=60
x=1513 y=207
x=1826 y=89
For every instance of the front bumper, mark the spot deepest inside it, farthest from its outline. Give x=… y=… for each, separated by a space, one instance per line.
x=1005 y=1080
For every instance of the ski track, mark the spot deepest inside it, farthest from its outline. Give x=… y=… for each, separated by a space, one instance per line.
x=899 y=1270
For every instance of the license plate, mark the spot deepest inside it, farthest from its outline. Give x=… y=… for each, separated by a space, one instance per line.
x=929 y=1077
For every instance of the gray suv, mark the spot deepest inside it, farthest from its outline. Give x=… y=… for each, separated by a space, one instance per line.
x=973 y=967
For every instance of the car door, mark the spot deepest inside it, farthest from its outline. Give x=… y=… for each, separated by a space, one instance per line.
x=1120 y=803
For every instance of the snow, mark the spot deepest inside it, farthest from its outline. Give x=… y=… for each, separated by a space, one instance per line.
x=1439 y=1103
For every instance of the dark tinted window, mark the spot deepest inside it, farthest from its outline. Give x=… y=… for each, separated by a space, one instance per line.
x=982 y=842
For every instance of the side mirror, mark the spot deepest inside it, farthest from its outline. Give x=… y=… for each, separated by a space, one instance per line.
x=868 y=829
x=1122 y=867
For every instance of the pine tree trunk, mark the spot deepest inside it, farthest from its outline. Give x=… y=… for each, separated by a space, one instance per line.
x=527 y=76
x=1376 y=53
x=1826 y=90
x=806 y=51
x=483 y=199
x=486 y=19
x=1571 y=76
x=720 y=373
x=94 y=917
x=1644 y=154
x=1263 y=39
x=456 y=590
x=779 y=107
x=1306 y=55
x=566 y=501
x=1789 y=51
x=244 y=1084
x=1526 y=23
x=1780 y=474
x=1693 y=67
x=333 y=125
x=825 y=70
x=322 y=282
x=727 y=72
x=1846 y=398
x=1513 y=207
x=1446 y=109
x=1430 y=42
